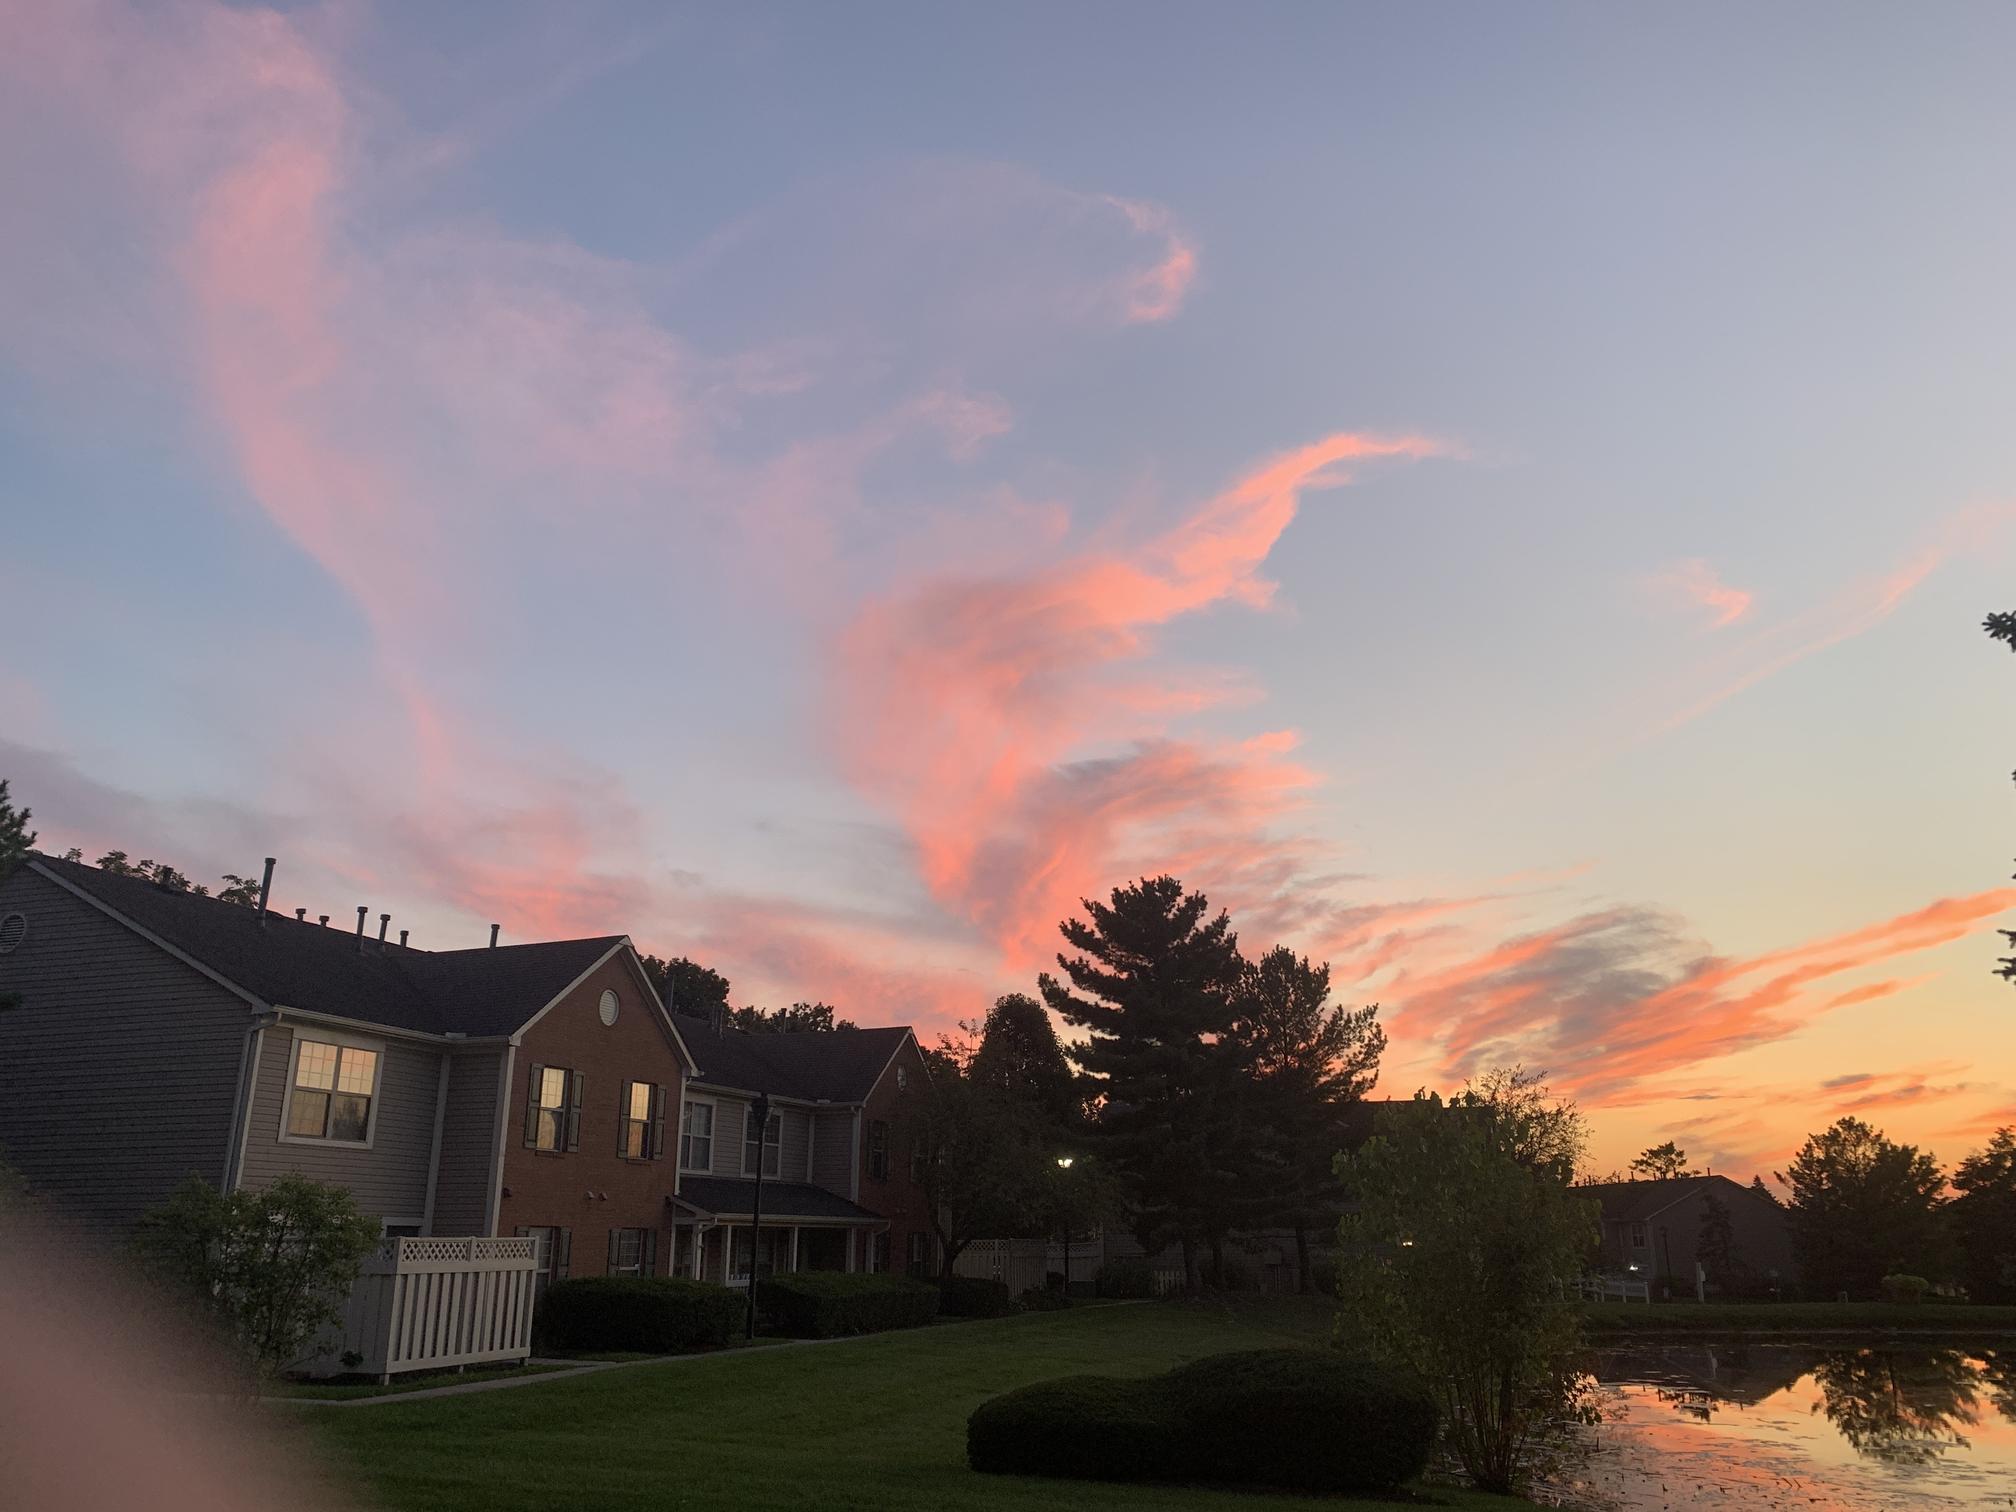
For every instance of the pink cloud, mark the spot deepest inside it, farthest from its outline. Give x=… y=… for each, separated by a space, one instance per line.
x=1695 y=582
x=960 y=701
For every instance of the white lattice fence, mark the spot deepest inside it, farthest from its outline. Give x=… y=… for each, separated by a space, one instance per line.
x=428 y=1304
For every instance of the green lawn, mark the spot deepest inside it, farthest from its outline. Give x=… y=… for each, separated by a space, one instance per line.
x=342 y=1391
x=1611 y=1319
x=866 y=1423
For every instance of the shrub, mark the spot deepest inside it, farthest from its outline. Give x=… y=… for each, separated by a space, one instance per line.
x=658 y=1314
x=1081 y=1427
x=271 y=1267
x=828 y=1304
x=1233 y=1276
x=1905 y=1288
x=1323 y=1276
x=1125 y=1278
x=1304 y=1419
x=1043 y=1299
x=1294 y=1418
x=974 y=1297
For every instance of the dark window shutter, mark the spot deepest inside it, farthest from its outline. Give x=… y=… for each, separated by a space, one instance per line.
x=657 y=1122
x=610 y=1268
x=623 y=1120
x=574 y=1111
x=650 y=1252
x=566 y=1256
x=532 y=1105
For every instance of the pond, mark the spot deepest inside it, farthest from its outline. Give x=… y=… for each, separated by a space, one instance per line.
x=1870 y=1427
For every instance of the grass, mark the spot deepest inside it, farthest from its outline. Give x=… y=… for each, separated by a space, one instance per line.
x=340 y=1391
x=1612 y=1319
x=865 y=1423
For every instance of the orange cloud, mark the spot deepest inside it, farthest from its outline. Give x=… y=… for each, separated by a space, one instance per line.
x=960 y=700
x=1609 y=1000
x=1156 y=293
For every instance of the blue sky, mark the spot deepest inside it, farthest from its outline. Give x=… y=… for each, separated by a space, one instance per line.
x=1501 y=498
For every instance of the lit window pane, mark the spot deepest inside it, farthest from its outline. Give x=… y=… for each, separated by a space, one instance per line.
x=348 y=1116
x=359 y=1070
x=640 y=1099
x=553 y=1087
x=307 y=1113
x=549 y=1129
x=633 y=1140
x=316 y=1066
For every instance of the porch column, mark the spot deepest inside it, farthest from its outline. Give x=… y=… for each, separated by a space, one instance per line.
x=794 y=1248
x=849 y=1266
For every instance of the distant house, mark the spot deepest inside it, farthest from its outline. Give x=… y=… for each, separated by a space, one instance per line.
x=538 y=1090
x=1653 y=1228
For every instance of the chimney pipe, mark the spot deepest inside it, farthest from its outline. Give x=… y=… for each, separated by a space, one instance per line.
x=300 y=916
x=402 y=939
x=493 y=935
x=325 y=920
x=383 y=920
x=265 y=891
x=362 y=909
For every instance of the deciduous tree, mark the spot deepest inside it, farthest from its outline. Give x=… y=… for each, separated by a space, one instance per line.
x=1984 y=1218
x=1020 y=1055
x=1152 y=985
x=799 y=1018
x=1661 y=1163
x=686 y=986
x=1459 y=1259
x=1863 y=1207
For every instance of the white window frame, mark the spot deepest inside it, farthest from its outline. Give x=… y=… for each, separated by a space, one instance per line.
x=386 y=1225
x=1639 y=1238
x=772 y=1169
x=342 y=1041
x=713 y=1133
x=735 y=1232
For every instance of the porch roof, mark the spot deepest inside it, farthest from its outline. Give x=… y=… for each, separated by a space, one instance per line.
x=727 y=1197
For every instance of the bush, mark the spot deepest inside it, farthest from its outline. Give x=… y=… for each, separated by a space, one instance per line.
x=1080 y=1427
x=1125 y=1278
x=974 y=1297
x=1043 y=1299
x=1323 y=1276
x=828 y=1304
x=1905 y=1288
x=658 y=1314
x=1231 y=1277
x=1305 y=1420
x=271 y=1268
x=1293 y=1418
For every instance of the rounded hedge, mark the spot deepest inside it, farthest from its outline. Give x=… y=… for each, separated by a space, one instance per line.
x=974 y=1297
x=830 y=1304
x=1081 y=1427
x=659 y=1314
x=1299 y=1419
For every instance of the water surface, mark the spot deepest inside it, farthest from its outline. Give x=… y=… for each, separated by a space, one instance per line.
x=1722 y=1423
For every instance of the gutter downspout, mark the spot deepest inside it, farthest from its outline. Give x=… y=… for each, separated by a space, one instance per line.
x=241 y=1107
x=434 y=1157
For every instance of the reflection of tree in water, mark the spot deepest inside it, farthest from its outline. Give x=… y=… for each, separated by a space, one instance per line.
x=1902 y=1407
x=1998 y=1374
x=1689 y=1401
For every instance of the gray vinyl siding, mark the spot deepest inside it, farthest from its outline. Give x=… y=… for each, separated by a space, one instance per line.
x=389 y=1180
x=793 y=1158
x=119 y=1069
x=468 y=1144
x=731 y=1117
x=833 y=1150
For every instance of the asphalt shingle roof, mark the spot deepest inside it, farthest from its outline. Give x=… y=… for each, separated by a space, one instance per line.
x=837 y=1065
x=726 y=1196
x=291 y=964
x=1635 y=1201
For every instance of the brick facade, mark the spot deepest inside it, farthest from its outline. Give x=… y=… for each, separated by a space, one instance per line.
x=595 y=1188
x=898 y=1196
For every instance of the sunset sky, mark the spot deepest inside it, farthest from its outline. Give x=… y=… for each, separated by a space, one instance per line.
x=1501 y=498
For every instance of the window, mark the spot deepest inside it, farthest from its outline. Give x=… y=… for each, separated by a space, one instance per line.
x=332 y=1092
x=902 y=1077
x=878 y=1259
x=553 y=1109
x=741 y=1250
x=632 y=1251
x=551 y=1254
x=878 y=1150
x=696 y=1137
x=640 y=1122
x=391 y=1230
x=916 y=1162
x=1637 y=1236
x=773 y=1143
x=919 y=1256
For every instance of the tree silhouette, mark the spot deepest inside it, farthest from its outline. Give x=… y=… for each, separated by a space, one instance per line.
x=1863 y=1207
x=686 y=986
x=16 y=839
x=1020 y=1056
x=1984 y=1217
x=1904 y=1408
x=1661 y=1163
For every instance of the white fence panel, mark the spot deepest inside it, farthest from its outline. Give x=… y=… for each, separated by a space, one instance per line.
x=433 y=1304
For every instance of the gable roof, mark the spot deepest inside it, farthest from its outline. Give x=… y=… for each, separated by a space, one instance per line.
x=292 y=964
x=827 y=1065
x=1636 y=1201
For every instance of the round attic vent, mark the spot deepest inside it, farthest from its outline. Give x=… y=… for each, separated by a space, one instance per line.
x=608 y=1007
x=13 y=930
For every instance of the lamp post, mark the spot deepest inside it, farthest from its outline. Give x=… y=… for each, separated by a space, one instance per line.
x=1064 y=1165
x=761 y=1112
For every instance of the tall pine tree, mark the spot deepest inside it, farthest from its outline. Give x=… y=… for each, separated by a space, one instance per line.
x=1153 y=986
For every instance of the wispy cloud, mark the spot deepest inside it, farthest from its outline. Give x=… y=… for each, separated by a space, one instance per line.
x=1695 y=583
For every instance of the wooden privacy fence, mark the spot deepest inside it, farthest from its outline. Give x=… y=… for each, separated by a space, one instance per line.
x=432 y=1304
x=1610 y=1288
x=1026 y=1264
